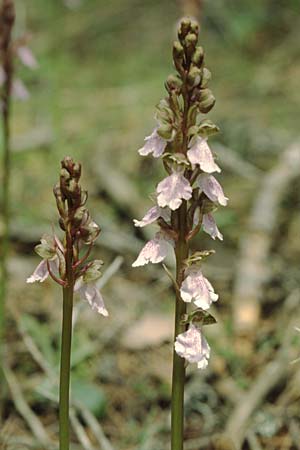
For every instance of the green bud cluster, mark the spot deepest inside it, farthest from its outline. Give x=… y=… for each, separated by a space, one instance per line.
x=71 y=199
x=188 y=89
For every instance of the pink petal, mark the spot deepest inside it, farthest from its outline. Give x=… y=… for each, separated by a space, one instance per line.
x=19 y=90
x=90 y=293
x=172 y=190
x=27 y=57
x=154 y=251
x=155 y=144
x=212 y=188
x=210 y=227
x=152 y=215
x=193 y=346
x=40 y=274
x=200 y=154
x=195 y=287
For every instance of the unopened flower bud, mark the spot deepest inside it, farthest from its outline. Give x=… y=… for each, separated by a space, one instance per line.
x=191 y=41
x=184 y=28
x=65 y=174
x=76 y=172
x=165 y=131
x=206 y=77
x=89 y=232
x=207 y=206
x=194 y=28
x=46 y=249
x=198 y=56
x=79 y=216
x=173 y=83
x=178 y=56
x=93 y=272
x=207 y=101
x=194 y=76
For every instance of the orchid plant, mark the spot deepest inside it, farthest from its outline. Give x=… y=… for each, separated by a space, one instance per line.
x=66 y=262
x=185 y=202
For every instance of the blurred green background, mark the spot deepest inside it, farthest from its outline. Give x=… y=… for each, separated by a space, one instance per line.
x=102 y=67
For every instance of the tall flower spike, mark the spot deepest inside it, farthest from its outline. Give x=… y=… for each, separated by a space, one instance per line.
x=67 y=263
x=189 y=194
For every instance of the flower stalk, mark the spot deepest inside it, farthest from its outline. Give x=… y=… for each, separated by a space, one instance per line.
x=65 y=264
x=185 y=201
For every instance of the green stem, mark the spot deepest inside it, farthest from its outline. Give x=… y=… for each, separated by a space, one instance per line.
x=6 y=168
x=65 y=361
x=178 y=378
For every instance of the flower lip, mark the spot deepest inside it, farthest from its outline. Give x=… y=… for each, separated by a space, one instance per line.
x=154 y=251
x=193 y=346
x=90 y=293
x=152 y=215
x=212 y=188
x=172 y=190
x=200 y=154
x=210 y=227
x=195 y=287
x=154 y=144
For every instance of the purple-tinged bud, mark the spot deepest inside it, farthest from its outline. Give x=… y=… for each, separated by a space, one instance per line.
x=80 y=216
x=198 y=56
x=173 y=83
x=89 y=232
x=207 y=100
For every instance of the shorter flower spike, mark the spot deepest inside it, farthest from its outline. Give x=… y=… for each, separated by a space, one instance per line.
x=172 y=190
x=154 y=251
x=197 y=288
x=193 y=346
x=155 y=144
x=64 y=261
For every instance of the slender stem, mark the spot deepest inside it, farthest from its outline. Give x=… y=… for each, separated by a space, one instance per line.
x=65 y=361
x=178 y=378
x=5 y=101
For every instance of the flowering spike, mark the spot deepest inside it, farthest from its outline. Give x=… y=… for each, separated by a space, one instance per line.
x=66 y=266
x=190 y=193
